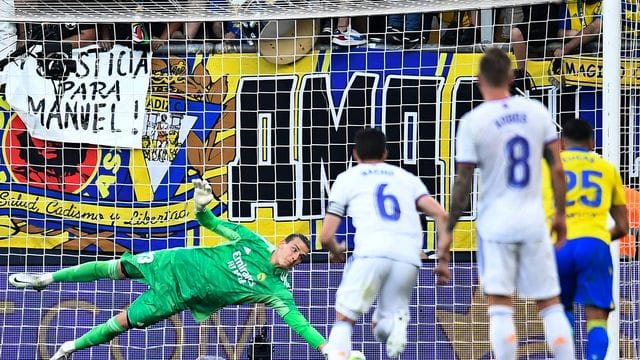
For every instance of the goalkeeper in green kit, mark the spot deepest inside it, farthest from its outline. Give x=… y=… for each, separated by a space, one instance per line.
x=245 y=270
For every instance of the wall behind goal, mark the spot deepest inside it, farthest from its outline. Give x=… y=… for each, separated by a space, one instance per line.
x=269 y=139
x=446 y=323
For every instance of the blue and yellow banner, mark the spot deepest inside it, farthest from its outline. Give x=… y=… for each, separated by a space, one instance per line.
x=270 y=140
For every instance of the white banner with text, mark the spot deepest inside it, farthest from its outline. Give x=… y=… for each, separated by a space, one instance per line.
x=83 y=95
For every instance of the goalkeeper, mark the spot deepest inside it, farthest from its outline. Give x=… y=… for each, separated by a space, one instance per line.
x=245 y=270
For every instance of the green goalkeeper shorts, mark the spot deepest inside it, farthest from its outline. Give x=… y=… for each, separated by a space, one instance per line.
x=161 y=300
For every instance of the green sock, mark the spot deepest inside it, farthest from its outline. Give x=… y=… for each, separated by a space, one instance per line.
x=88 y=272
x=100 y=334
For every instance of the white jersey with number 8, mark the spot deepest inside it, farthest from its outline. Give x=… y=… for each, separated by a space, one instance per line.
x=381 y=200
x=505 y=139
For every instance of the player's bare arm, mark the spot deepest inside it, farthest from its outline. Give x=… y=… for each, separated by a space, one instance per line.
x=327 y=237
x=432 y=208
x=620 y=216
x=460 y=194
x=551 y=154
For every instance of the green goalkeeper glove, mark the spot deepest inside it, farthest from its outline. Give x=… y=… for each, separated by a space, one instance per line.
x=202 y=195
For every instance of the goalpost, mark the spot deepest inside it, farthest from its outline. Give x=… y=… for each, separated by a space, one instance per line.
x=112 y=111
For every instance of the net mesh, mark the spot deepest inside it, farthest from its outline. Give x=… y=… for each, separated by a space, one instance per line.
x=265 y=112
x=629 y=245
x=205 y=10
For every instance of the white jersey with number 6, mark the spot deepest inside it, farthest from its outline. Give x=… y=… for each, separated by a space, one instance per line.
x=505 y=139
x=381 y=200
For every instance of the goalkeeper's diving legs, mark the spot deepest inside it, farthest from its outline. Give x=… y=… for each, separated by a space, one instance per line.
x=31 y=281
x=90 y=271
x=98 y=335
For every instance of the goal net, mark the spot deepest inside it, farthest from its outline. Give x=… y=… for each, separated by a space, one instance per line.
x=108 y=110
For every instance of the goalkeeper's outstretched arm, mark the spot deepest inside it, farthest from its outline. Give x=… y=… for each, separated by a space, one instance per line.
x=201 y=198
x=292 y=316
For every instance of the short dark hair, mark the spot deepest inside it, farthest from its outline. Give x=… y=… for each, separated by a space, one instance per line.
x=370 y=144
x=495 y=67
x=300 y=236
x=577 y=130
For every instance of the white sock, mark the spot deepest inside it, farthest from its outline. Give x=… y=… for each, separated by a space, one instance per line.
x=46 y=278
x=557 y=331
x=340 y=340
x=383 y=329
x=502 y=332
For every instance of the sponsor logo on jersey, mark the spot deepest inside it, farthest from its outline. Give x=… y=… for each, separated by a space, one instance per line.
x=239 y=268
x=285 y=279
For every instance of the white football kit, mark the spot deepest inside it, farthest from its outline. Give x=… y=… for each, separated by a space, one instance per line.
x=381 y=200
x=505 y=139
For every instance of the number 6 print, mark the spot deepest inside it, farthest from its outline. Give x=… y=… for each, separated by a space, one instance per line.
x=384 y=200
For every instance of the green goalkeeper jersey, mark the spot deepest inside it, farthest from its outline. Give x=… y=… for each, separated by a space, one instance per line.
x=207 y=279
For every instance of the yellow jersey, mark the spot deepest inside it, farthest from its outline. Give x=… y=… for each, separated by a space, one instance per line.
x=578 y=14
x=630 y=17
x=593 y=187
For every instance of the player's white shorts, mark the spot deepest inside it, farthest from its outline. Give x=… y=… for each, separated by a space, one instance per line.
x=365 y=277
x=529 y=267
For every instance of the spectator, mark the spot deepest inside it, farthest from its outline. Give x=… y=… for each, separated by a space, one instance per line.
x=460 y=28
x=529 y=38
x=582 y=25
x=629 y=243
x=344 y=35
x=56 y=37
x=202 y=32
x=161 y=33
x=78 y=35
x=196 y=30
x=8 y=36
x=404 y=29
x=505 y=21
x=140 y=36
x=376 y=29
x=407 y=29
x=106 y=35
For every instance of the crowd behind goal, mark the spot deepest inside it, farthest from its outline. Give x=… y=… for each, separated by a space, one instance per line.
x=533 y=32
x=542 y=32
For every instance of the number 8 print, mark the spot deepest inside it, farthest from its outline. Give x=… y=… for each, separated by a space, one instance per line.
x=145 y=258
x=518 y=155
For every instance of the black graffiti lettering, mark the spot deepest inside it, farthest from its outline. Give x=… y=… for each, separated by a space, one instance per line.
x=264 y=170
x=89 y=65
x=92 y=90
x=96 y=118
x=411 y=113
x=76 y=115
x=143 y=65
x=71 y=116
x=85 y=116
x=569 y=67
x=327 y=133
x=54 y=114
x=119 y=64
x=136 y=111
x=33 y=109
x=113 y=119
x=83 y=69
x=67 y=85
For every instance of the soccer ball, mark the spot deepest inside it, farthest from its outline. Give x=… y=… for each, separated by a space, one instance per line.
x=356 y=355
